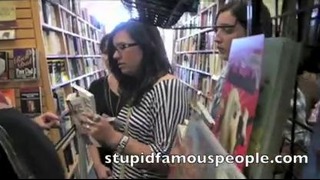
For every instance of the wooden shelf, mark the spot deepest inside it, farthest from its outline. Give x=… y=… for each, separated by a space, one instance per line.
x=66 y=41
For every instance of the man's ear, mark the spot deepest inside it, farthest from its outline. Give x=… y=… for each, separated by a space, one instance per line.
x=2 y=65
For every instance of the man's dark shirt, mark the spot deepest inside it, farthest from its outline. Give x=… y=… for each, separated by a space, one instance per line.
x=32 y=146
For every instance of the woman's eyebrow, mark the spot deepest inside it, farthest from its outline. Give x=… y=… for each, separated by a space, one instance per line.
x=224 y=24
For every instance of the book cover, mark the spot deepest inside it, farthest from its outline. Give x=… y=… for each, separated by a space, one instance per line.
x=25 y=63
x=7 y=15
x=10 y=95
x=7 y=11
x=240 y=93
x=7 y=34
x=30 y=100
x=79 y=102
x=4 y=65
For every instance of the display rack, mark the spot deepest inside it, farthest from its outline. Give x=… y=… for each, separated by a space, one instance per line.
x=298 y=21
x=54 y=44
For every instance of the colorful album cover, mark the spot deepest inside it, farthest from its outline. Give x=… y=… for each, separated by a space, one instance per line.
x=240 y=93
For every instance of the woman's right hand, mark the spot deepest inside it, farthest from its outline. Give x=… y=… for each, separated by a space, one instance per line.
x=102 y=171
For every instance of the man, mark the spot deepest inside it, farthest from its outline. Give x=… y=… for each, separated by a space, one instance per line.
x=33 y=151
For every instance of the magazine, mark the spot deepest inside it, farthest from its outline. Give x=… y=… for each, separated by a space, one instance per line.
x=80 y=102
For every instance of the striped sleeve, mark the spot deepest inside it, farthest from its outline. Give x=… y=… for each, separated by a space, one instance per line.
x=170 y=108
x=218 y=93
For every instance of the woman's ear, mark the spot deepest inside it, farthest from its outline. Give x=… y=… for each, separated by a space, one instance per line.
x=2 y=66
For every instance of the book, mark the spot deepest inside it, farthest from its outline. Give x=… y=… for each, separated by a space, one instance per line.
x=10 y=95
x=25 y=63
x=240 y=93
x=8 y=34
x=30 y=101
x=4 y=65
x=203 y=111
x=81 y=101
x=194 y=138
x=8 y=11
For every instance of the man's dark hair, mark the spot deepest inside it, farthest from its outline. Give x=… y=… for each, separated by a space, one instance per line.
x=154 y=64
x=238 y=8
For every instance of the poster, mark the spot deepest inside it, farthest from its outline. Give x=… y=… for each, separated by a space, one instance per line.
x=240 y=93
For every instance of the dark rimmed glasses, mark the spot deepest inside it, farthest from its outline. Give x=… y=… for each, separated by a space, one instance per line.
x=122 y=46
x=225 y=28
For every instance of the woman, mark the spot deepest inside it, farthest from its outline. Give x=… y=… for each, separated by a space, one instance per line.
x=231 y=23
x=156 y=101
x=105 y=91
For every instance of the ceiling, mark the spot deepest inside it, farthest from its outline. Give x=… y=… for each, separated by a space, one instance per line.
x=108 y=12
x=162 y=13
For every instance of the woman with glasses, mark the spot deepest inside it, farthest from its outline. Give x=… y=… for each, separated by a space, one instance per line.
x=231 y=23
x=108 y=102
x=155 y=102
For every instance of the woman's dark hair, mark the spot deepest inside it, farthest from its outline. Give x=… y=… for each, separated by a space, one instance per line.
x=238 y=8
x=103 y=43
x=154 y=62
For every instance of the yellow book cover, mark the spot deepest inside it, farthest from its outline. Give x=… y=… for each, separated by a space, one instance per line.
x=7 y=11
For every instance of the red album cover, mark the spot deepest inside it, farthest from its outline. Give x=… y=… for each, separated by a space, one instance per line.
x=240 y=93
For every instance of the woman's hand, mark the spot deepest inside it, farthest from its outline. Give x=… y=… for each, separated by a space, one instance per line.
x=102 y=171
x=100 y=128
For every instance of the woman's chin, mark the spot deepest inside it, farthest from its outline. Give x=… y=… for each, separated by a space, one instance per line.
x=125 y=72
x=223 y=57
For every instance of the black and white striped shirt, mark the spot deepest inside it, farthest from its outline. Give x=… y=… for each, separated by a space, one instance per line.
x=154 y=122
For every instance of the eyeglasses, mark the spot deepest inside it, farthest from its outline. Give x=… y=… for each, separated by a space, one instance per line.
x=122 y=46
x=226 y=29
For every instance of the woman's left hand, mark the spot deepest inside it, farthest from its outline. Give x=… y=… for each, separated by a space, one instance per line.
x=99 y=128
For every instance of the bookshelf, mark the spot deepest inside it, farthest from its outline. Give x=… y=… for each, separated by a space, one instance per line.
x=196 y=59
x=52 y=45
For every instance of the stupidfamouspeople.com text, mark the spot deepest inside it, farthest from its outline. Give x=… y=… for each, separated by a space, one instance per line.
x=204 y=159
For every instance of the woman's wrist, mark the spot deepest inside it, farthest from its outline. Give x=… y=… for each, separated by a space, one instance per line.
x=97 y=164
x=114 y=140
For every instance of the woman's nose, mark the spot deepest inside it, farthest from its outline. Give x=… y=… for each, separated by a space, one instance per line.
x=218 y=38
x=116 y=54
